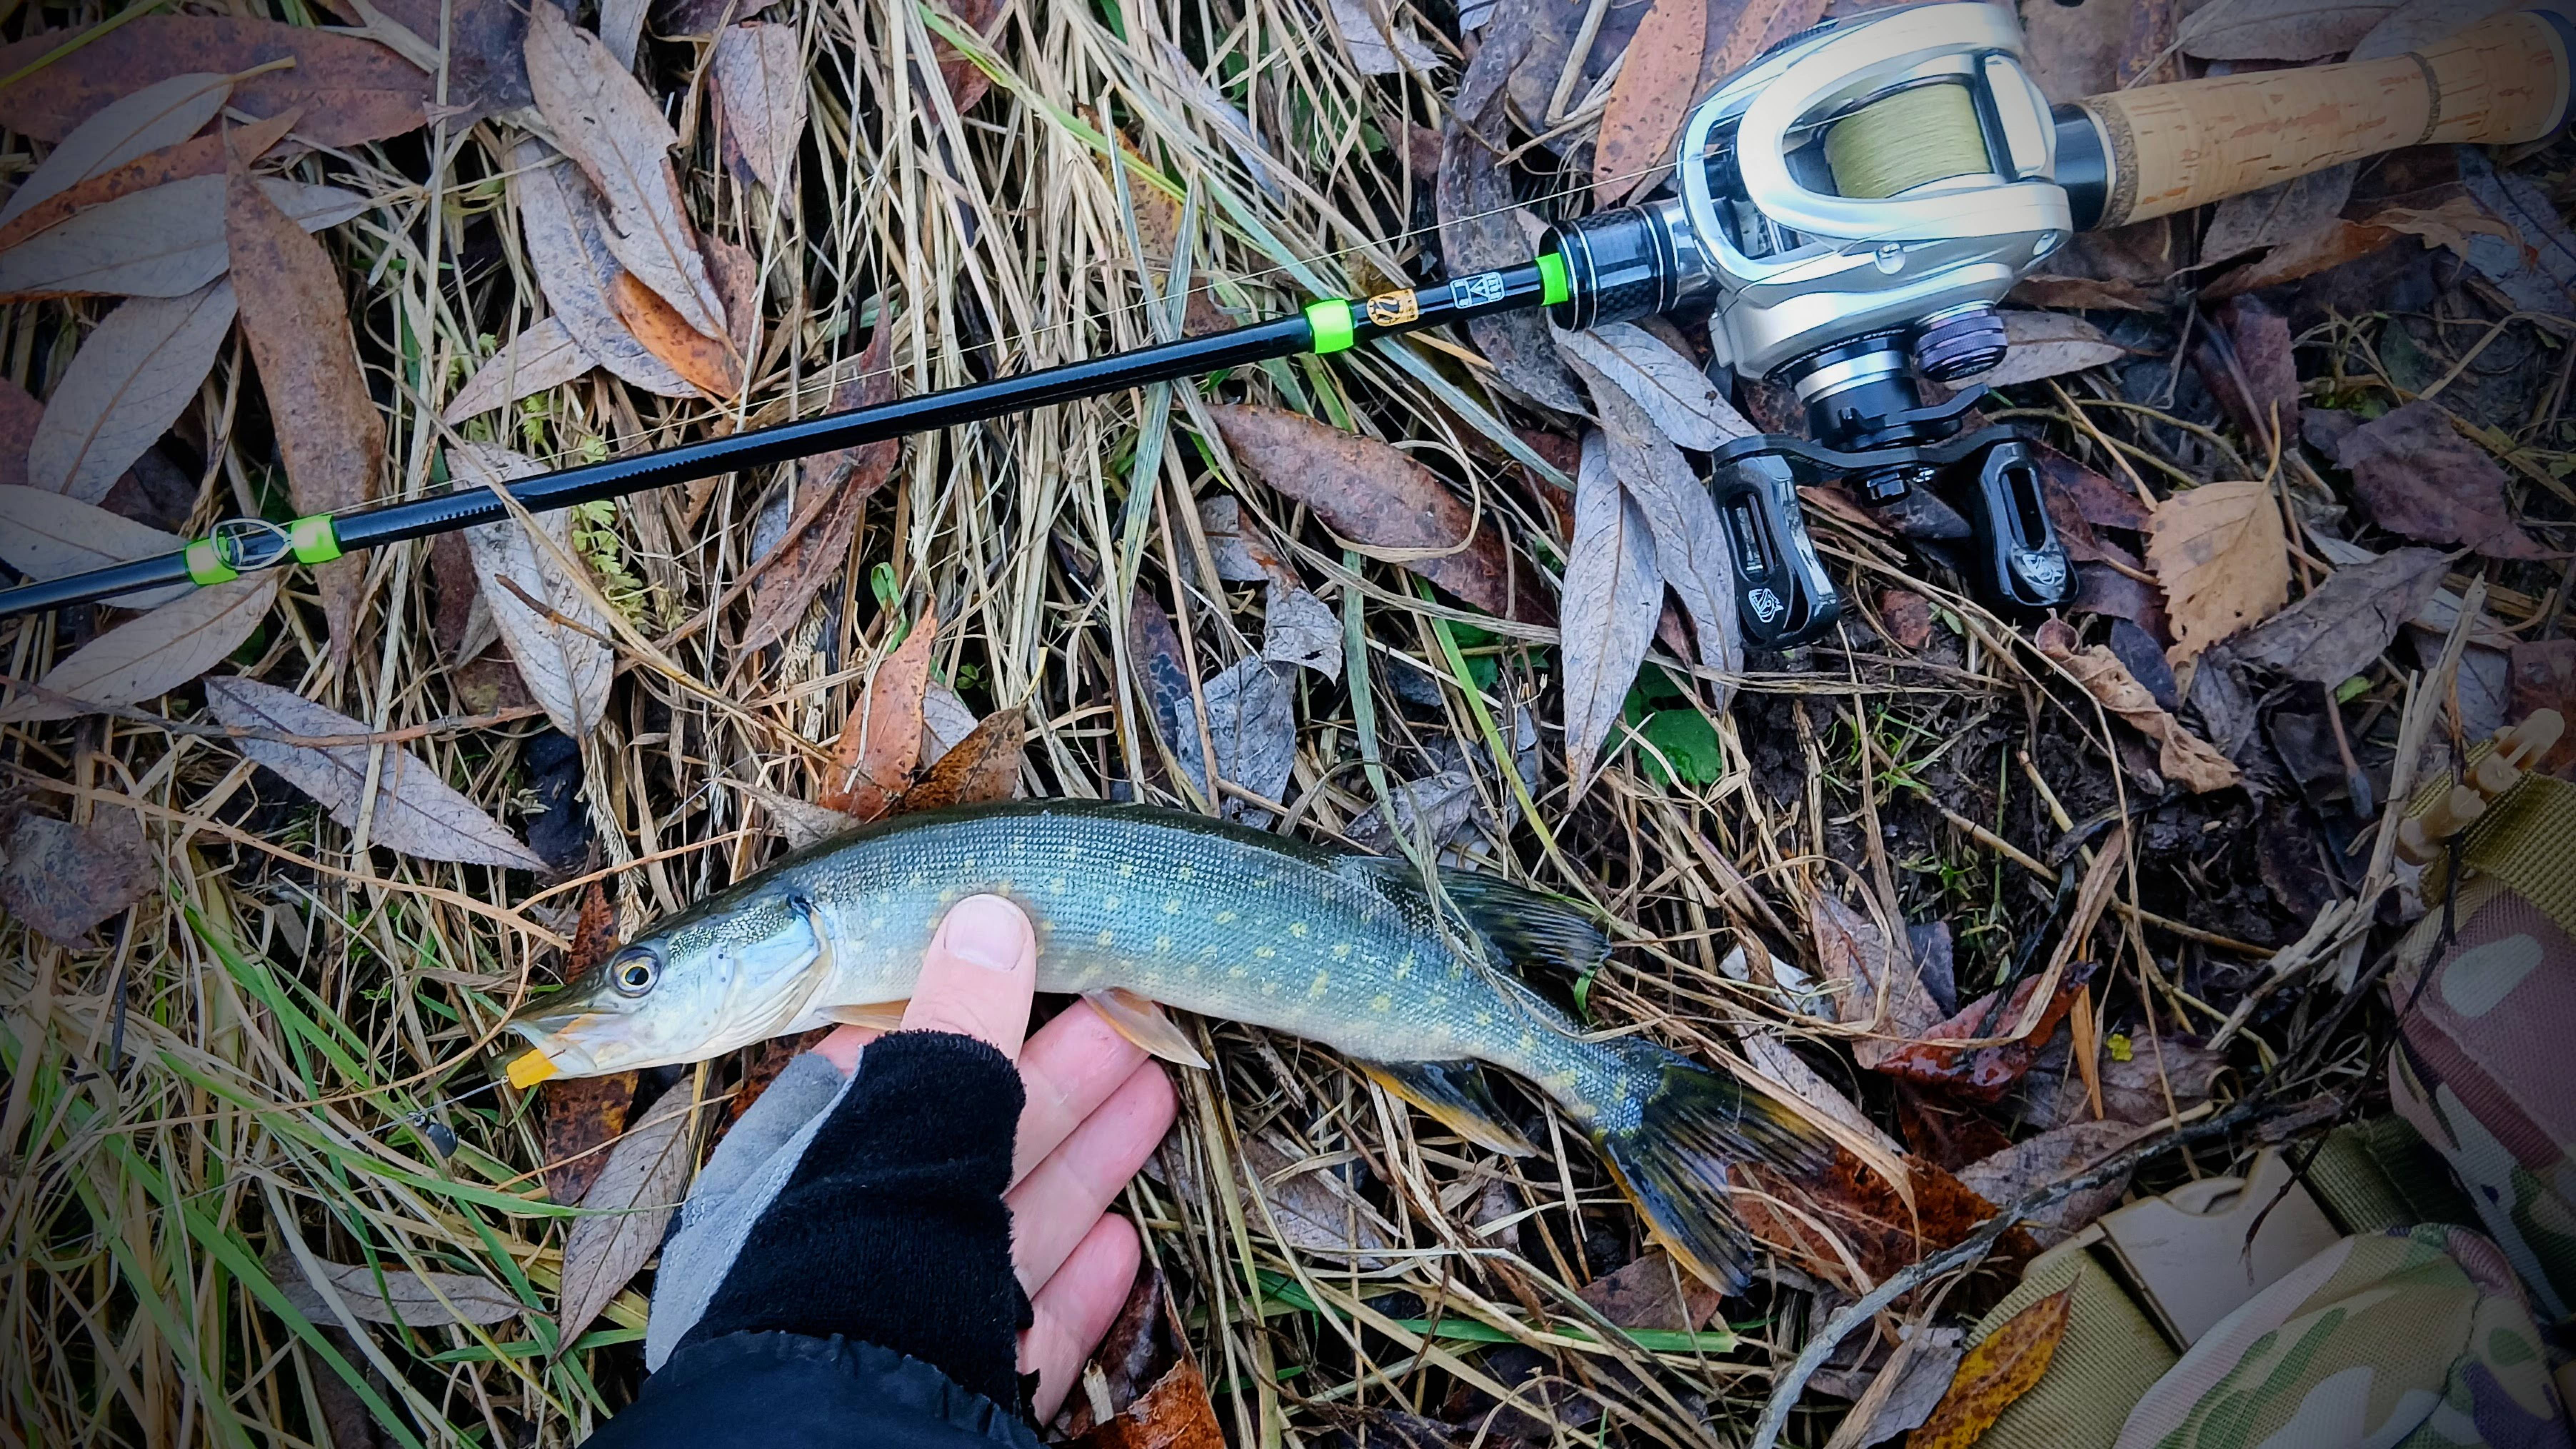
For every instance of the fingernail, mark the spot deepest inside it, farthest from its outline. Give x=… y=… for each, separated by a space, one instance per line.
x=986 y=930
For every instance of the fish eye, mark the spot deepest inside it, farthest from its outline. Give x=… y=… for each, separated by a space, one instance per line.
x=634 y=971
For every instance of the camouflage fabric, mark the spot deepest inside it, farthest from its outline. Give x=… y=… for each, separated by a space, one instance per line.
x=2418 y=1339
x=2480 y=1069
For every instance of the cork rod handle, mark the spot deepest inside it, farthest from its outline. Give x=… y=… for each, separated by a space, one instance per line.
x=2173 y=147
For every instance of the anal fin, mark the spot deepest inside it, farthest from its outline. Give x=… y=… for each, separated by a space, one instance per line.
x=1457 y=1096
x=1144 y=1023
x=874 y=1015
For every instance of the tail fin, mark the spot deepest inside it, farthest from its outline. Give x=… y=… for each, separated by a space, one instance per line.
x=1671 y=1156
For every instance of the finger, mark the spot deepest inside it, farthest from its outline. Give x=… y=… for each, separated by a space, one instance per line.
x=1068 y=1069
x=1068 y=1317
x=1062 y=1196
x=978 y=975
x=841 y=1048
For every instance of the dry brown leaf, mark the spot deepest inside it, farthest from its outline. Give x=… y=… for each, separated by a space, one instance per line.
x=2050 y=344
x=1606 y=615
x=1691 y=550
x=1816 y=1217
x=484 y=54
x=20 y=413
x=707 y=362
x=1754 y=27
x=1175 y=1413
x=2220 y=553
x=203 y=156
x=2335 y=632
x=759 y=72
x=606 y=121
x=350 y=90
x=1996 y=1372
x=966 y=81
x=737 y=274
x=1658 y=83
x=1479 y=221
x=415 y=812
x=881 y=741
x=1375 y=496
x=2182 y=756
x=2294 y=209
x=626 y=1210
x=1878 y=990
x=154 y=654
x=2061 y=1152
x=544 y=356
x=2417 y=475
x=832 y=491
x=133 y=376
x=329 y=433
x=1667 y=385
x=1652 y=1292
x=389 y=1292
x=164 y=242
x=567 y=236
x=161 y=114
x=565 y=658
x=63 y=879
x=48 y=536
x=2279 y=29
x=983 y=768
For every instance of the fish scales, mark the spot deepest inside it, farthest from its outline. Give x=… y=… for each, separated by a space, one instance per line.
x=1339 y=947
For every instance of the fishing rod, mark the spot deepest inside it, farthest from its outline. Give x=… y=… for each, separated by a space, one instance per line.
x=1850 y=209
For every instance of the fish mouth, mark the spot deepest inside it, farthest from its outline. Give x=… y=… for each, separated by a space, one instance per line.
x=555 y=1033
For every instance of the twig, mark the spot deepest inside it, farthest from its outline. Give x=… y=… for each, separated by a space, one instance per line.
x=454 y=724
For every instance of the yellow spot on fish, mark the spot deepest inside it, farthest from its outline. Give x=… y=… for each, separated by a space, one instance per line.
x=917 y=879
x=1342 y=952
x=1270 y=987
x=1106 y=936
x=1529 y=1040
x=1404 y=966
x=1126 y=867
x=1188 y=872
x=1264 y=952
x=1224 y=917
x=1315 y=988
x=967 y=864
x=1109 y=903
x=1163 y=945
x=1381 y=1002
x=1055 y=887
x=1236 y=973
x=1172 y=907
x=1484 y=1018
x=1297 y=929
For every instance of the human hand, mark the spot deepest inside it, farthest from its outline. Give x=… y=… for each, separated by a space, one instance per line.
x=791 y=1225
x=1097 y=1107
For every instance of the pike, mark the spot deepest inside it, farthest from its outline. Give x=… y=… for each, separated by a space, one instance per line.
x=1138 y=908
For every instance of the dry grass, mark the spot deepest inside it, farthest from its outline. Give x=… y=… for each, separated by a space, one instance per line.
x=222 y=1081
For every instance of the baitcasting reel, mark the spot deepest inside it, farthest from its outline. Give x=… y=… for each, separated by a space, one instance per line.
x=1852 y=206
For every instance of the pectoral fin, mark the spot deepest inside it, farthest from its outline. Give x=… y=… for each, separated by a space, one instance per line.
x=1457 y=1096
x=1144 y=1023
x=874 y=1015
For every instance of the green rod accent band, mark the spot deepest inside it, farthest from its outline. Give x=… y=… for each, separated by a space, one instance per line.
x=313 y=540
x=1553 y=287
x=207 y=567
x=1331 y=320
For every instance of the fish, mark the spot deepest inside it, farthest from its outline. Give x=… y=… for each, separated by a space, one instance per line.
x=1137 y=909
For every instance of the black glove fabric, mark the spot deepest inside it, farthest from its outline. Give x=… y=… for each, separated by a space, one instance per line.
x=891 y=1229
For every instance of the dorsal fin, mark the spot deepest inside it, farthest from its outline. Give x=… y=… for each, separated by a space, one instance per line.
x=1526 y=927
x=1519 y=925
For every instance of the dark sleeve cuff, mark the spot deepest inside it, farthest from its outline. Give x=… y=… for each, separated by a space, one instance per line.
x=788 y=1391
x=892 y=1228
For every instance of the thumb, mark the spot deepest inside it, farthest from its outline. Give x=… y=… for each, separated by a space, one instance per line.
x=978 y=976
